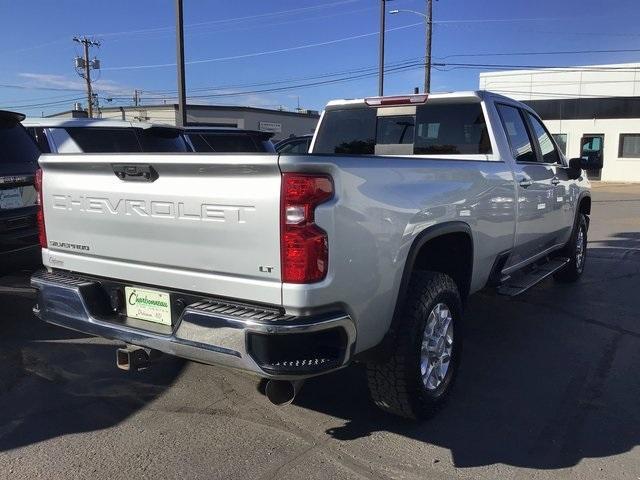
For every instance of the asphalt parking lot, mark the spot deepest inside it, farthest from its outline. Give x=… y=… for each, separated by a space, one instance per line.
x=549 y=388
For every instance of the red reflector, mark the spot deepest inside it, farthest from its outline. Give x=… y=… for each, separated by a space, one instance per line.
x=303 y=245
x=42 y=232
x=397 y=100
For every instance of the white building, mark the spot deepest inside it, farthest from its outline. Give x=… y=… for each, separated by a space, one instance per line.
x=591 y=109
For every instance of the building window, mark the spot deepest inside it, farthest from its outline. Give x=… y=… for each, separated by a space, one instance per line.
x=629 y=145
x=561 y=141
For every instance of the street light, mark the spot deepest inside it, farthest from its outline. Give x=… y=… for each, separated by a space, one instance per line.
x=427 y=56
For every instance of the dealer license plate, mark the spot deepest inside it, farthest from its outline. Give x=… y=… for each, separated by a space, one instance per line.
x=149 y=305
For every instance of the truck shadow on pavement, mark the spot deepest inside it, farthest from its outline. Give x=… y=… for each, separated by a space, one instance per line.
x=54 y=381
x=547 y=379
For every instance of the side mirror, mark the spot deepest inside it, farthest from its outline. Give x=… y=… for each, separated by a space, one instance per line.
x=576 y=165
x=589 y=161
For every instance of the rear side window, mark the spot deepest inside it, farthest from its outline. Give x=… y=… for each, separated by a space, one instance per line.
x=154 y=140
x=451 y=128
x=39 y=135
x=296 y=146
x=347 y=131
x=16 y=145
x=199 y=143
x=516 y=131
x=231 y=143
x=105 y=140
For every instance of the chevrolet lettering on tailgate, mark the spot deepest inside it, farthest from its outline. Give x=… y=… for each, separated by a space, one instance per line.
x=154 y=208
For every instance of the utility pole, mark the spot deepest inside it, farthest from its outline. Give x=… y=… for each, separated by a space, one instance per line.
x=136 y=97
x=427 y=55
x=83 y=67
x=428 y=20
x=383 y=7
x=182 y=96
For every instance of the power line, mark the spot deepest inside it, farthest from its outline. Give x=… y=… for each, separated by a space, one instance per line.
x=46 y=104
x=540 y=68
x=29 y=87
x=268 y=52
x=231 y=20
x=291 y=79
x=557 y=52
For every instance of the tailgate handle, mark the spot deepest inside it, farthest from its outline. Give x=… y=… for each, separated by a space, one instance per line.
x=135 y=173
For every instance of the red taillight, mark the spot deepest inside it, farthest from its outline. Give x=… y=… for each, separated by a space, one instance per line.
x=397 y=100
x=42 y=232
x=304 y=247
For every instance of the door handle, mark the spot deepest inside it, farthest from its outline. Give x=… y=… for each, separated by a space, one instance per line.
x=135 y=173
x=526 y=182
x=555 y=180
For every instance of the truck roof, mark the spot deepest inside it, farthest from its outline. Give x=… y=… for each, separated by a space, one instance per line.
x=89 y=122
x=465 y=94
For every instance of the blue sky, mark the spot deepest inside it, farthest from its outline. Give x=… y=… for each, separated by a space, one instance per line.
x=257 y=45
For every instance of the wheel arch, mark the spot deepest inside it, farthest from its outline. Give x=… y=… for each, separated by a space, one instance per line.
x=452 y=236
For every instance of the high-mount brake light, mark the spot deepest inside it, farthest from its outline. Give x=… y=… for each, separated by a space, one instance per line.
x=42 y=231
x=397 y=100
x=304 y=247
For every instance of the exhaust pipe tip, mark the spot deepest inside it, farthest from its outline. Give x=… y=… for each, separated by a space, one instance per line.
x=135 y=359
x=282 y=392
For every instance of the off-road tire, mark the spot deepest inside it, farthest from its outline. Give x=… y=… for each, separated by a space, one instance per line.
x=395 y=383
x=572 y=271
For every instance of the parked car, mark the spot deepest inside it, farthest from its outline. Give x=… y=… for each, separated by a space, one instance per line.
x=229 y=140
x=296 y=265
x=18 y=163
x=294 y=145
x=59 y=135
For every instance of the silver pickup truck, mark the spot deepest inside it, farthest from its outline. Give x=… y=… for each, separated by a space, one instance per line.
x=293 y=266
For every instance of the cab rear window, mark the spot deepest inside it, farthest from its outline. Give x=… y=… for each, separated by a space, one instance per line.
x=437 y=128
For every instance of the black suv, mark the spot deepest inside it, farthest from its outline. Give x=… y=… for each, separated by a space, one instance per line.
x=18 y=163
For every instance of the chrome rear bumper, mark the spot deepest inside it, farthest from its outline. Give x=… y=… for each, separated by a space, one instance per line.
x=205 y=331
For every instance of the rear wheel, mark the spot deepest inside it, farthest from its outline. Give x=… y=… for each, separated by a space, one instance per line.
x=576 y=250
x=417 y=377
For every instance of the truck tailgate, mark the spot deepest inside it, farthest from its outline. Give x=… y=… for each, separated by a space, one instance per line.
x=207 y=223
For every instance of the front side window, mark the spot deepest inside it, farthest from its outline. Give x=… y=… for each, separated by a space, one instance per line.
x=547 y=148
x=451 y=128
x=347 y=131
x=630 y=145
x=517 y=134
x=561 y=141
x=105 y=140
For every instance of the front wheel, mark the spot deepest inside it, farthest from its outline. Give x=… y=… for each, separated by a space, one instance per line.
x=576 y=250
x=417 y=376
